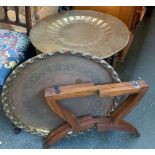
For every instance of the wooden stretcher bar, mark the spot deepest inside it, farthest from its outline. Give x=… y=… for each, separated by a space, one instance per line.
x=135 y=89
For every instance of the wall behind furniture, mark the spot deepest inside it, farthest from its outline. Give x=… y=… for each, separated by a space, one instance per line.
x=128 y=14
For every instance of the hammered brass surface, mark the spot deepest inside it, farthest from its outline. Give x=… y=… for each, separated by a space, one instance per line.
x=23 y=94
x=87 y=31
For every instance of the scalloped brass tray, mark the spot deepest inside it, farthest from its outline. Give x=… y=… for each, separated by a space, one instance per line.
x=23 y=94
x=87 y=31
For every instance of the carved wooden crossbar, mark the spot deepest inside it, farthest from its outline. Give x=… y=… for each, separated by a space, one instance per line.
x=135 y=89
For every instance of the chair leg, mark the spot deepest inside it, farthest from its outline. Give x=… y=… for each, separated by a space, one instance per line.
x=16 y=129
x=58 y=134
x=128 y=127
x=85 y=123
x=121 y=126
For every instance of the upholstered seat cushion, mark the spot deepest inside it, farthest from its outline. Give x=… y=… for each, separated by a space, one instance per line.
x=13 y=50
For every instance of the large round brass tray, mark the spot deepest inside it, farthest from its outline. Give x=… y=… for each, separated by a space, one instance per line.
x=87 y=31
x=23 y=94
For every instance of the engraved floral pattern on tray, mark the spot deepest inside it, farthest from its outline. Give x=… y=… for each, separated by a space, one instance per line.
x=92 y=31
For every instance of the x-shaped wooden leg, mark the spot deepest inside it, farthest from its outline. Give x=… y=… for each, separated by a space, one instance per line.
x=135 y=89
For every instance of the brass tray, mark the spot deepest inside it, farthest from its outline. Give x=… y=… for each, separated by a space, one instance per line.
x=87 y=31
x=23 y=94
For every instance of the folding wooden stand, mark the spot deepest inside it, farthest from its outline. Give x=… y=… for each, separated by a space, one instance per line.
x=135 y=89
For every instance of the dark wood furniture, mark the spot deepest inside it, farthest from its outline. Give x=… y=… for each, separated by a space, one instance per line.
x=135 y=89
x=17 y=22
x=130 y=15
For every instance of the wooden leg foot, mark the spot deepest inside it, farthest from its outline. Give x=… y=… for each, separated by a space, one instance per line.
x=121 y=126
x=59 y=133
x=16 y=130
x=45 y=146
x=128 y=127
x=85 y=123
x=135 y=134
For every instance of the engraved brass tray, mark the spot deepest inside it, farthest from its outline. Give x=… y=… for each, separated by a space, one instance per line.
x=87 y=31
x=23 y=94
